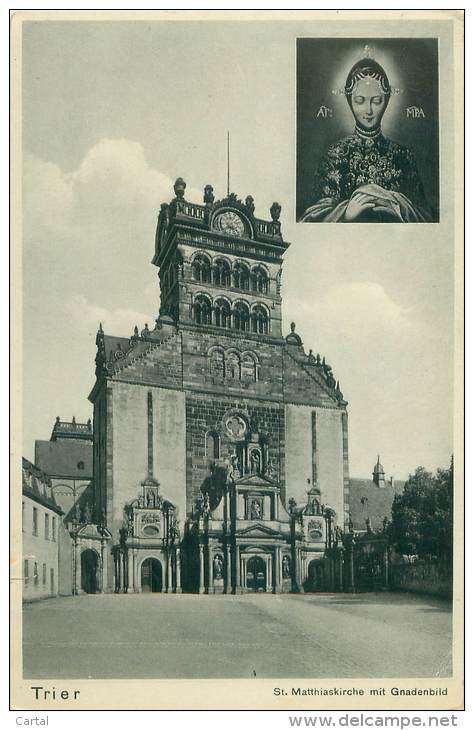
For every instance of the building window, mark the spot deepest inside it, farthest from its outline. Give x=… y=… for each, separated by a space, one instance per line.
x=202 y=310
x=35 y=521
x=259 y=320
x=259 y=280
x=80 y=465
x=201 y=269
x=249 y=367
x=212 y=445
x=46 y=526
x=216 y=363
x=26 y=572
x=53 y=529
x=44 y=574
x=241 y=277
x=221 y=273
x=222 y=313
x=35 y=574
x=241 y=317
x=232 y=366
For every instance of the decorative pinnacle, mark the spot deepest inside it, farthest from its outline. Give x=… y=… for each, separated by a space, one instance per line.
x=179 y=187
x=275 y=211
x=292 y=326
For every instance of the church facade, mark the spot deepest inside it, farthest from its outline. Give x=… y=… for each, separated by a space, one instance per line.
x=220 y=454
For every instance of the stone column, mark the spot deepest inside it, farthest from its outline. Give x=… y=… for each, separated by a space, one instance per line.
x=201 y=569
x=168 y=586
x=130 y=573
x=278 y=569
x=237 y=588
x=78 y=575
x=243 y=574
x=228 y=587
x=122 y=571
x=134 y=570
x=269 y=574
x=178 y=571
x=103 y=557
x=210 y=576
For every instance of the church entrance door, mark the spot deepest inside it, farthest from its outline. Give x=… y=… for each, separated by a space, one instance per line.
x=152 y=576
x=256 y=574
x=315 y=582
x=89 y=562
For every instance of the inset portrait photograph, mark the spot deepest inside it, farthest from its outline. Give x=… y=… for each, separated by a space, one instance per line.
x=367 y=130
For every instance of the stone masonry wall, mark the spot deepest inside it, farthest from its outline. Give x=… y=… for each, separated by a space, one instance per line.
x=204 y=414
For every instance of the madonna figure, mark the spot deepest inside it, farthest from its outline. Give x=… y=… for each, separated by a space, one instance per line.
x=367 y=177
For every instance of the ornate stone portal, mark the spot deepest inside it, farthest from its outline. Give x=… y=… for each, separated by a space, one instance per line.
x=148 y=556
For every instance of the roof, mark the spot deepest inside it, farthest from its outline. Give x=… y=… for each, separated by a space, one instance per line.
x=366 y=499
x=37 y=485
x=62 y=458
x=71 y=430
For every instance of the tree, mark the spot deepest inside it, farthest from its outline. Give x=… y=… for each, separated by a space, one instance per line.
x=422 y=516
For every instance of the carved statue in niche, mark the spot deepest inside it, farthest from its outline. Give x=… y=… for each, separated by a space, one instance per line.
x=218 y=564
x=255 y=510
x=255 y=462
x=286 y=566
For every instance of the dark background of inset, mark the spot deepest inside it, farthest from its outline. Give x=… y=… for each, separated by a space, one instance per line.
x=322 y=64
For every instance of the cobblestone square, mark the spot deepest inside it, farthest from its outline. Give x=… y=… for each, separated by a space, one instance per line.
x=193 y=636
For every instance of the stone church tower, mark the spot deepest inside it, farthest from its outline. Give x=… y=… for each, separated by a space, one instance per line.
x=220 y=446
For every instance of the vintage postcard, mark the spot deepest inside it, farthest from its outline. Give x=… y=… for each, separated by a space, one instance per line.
x=237 y=443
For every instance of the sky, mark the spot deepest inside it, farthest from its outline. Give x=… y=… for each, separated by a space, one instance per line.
x=113 y=112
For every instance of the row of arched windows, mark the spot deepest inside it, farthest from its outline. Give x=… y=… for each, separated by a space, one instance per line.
x=240 y=317
x=221 y=274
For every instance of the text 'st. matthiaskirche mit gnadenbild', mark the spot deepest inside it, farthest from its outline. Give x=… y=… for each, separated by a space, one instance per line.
x=220 y=447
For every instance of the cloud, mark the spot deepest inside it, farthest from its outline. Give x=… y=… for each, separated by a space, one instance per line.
x=114 y=190
x=363 y=309
x=119 y=321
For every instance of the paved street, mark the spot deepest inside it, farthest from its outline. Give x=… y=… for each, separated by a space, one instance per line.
x=159 y=635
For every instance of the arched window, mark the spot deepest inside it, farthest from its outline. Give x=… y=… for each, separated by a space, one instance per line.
x=201 y=269
x=259 y=280
x=249 y=367
x=202 y=310
x=221 y=273
x=222 y=313
x=241 y=276
x=232 y=366
x=212 y=445
x=260 y=320
x=241 y=317
x=216 y=363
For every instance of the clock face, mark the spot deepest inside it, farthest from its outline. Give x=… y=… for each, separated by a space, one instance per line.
x=229 y=223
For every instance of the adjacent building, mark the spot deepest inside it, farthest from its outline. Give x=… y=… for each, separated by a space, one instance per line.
x=42 y=527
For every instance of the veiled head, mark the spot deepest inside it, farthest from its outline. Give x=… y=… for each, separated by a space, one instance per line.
x=367 y=91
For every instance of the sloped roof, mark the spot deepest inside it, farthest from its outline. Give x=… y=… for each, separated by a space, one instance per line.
x=62 y=458
x=366 y=499
x=37 y=485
